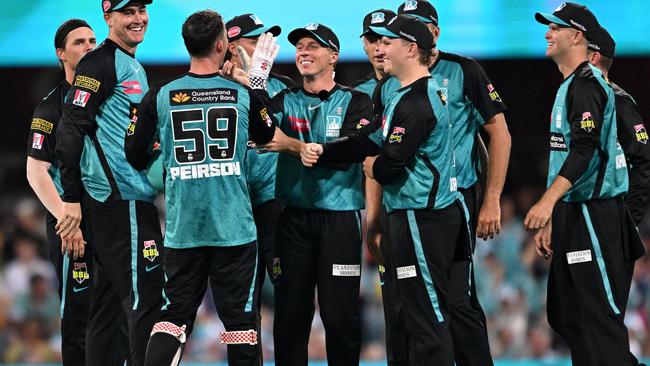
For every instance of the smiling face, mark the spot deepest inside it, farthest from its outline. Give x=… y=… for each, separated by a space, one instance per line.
x=314 y=59
x=396 y=53
x=559 y=40
x=372 y=48
x=128 y=25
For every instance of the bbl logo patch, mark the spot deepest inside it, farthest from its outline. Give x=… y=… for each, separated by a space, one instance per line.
x=133 y=119
x=397 y=135
x=80 y=272
x=494 y=96
x=276 y=271
x=587 y=122
x=442 y=93
x=641 y=133
x=362 y=123
x=377 y=17
x=311 y=26
x=150 y=251
x=265 y=117
x=333 y=126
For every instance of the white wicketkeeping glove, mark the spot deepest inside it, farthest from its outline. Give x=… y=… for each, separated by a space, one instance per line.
x=262 y=60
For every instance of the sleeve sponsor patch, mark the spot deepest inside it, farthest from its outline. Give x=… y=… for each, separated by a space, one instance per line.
x=587 y=122
x=557 y=142
x=397 y=135
x=133 y=119
x=494 y=96
x=640 y=132
x=362 y=123
x=87 y=83
x=37 y=141
x=42 y=125
x=264 y=113
x=81 y=98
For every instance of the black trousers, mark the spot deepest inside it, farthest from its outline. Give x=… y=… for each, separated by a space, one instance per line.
x=75 y=291
x=318 y=249
x=396 y=340
x=266 y=218
x=594 y=247
x=231 y=272
x=425 y=245
x=128 y=276
x=468 y=323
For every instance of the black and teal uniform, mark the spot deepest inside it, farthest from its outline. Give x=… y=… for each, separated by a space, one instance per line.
x=594 y=238
x=260 y=172
x=633 y=137
x=472 y=100
x=75 y=276
x=120 y=215
x=203 y=124
x=367 y=85
x=427 y=219
x=319 y=234
x=396 y=352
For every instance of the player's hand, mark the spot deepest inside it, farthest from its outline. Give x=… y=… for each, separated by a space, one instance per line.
x=262 y=60
x=373 y=241
x=489 y=219
x=543 y=241
x=69 y=221
x=229 y=71
x=75 y=246
x=539 y=215
x=367 y=166
x=309 y=154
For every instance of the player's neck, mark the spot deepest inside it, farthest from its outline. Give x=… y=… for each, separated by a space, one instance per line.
x=413 y=73
x=379 y=74
x=204 y=65
x=570 y=63
x=69 y=74
x=316 y=83
x=123 y=45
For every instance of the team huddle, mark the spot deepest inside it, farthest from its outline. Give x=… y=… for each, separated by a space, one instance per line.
x=265 y=177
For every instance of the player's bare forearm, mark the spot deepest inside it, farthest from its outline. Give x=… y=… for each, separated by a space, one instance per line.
x=43 y=186
x=489 y=219
x=499 y=155
x=540 y=214
x=373 y=199
x=484 y=160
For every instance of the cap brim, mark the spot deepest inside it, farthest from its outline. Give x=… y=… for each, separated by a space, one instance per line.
x=424 y=19
x=384 y=32
x=274 y=30
x=299 y=33
x=547 y=19
x=124 y=3
x=369 y=32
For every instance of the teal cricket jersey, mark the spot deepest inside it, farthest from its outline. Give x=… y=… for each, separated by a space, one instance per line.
x=108 y=86
x=203 y=123
x=416 y=163
x=583 y=143
x=366 y=85
x=260 y=168
x=471 y=99
x=307 y=117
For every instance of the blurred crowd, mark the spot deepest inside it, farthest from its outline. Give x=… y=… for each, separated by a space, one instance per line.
x=511 y=282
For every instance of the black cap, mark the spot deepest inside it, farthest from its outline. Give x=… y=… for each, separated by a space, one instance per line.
x=65 y=29
x=322 y=34
x=603 y=43
x=248 y=26
x=409 y=28
x=571 y=15
x=377 y=18
x=420 y=9
x=112 y=5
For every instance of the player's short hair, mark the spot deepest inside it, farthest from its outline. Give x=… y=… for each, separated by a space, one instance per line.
x=424 y=56
x=201 y=31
